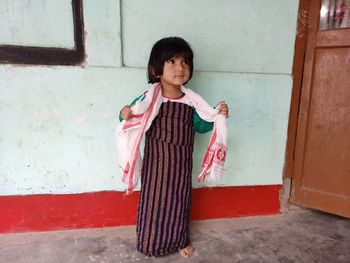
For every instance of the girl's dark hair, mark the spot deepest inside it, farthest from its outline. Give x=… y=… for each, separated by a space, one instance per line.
x=165 y=49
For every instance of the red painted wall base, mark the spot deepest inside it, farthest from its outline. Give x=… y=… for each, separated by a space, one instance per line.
x=104 y=209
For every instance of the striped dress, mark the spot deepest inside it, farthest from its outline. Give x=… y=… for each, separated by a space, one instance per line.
x=165 y=197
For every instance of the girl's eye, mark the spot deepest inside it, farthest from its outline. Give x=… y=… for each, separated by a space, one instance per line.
x=171 y=61
x=185 y=62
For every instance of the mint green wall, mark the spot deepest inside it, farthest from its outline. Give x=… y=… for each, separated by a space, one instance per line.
x=235 y=36
x=57 y=123
x=33 y=23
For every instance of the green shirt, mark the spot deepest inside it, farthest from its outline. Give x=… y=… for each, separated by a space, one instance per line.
x=200 y=125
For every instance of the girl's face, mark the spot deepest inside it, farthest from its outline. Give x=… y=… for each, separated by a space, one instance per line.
x=176 y=72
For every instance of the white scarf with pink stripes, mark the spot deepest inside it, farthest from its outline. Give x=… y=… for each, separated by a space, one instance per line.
x=130 y=133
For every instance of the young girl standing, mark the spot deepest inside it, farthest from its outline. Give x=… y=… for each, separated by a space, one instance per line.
x=168 y=115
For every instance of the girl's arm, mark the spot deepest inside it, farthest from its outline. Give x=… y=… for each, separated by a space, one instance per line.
x=126 y=112
x=200 y=125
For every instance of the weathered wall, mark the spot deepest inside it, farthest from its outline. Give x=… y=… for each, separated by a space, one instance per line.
x=57 y=123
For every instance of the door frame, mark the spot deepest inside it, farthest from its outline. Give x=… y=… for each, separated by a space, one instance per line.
x=297 y=74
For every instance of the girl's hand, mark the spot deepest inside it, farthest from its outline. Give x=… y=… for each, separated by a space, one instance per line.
x=126 y=112
x=223 y=108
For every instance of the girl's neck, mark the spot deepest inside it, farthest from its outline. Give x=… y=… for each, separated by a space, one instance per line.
x=171 y=91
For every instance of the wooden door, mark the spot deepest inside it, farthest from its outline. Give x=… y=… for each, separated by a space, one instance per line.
x=321 y=174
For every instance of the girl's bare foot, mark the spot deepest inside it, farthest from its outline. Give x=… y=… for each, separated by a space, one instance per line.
x=187 y=251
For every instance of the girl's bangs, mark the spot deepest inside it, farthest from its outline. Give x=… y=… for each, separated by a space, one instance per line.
x=178 y=52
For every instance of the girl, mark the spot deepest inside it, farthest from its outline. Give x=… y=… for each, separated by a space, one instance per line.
x=168 y=114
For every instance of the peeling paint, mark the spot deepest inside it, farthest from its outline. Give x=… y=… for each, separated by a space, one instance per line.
x=19 y=143
x=80 y=119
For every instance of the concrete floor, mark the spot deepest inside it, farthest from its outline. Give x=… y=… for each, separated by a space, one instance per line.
x=300 y=235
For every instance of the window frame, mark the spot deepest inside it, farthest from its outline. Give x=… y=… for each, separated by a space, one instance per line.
x=14 y=54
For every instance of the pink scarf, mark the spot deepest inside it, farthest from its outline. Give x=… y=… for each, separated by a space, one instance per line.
x=130 y=133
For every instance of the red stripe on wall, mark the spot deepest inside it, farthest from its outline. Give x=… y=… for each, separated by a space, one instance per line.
x=104 y=209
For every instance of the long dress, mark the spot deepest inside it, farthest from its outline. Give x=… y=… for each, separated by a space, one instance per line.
x=165 y=197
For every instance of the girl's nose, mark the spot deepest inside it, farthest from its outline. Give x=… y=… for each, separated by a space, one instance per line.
x=179 y=66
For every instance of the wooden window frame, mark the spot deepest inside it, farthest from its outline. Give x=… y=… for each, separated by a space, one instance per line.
x=13 y=54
